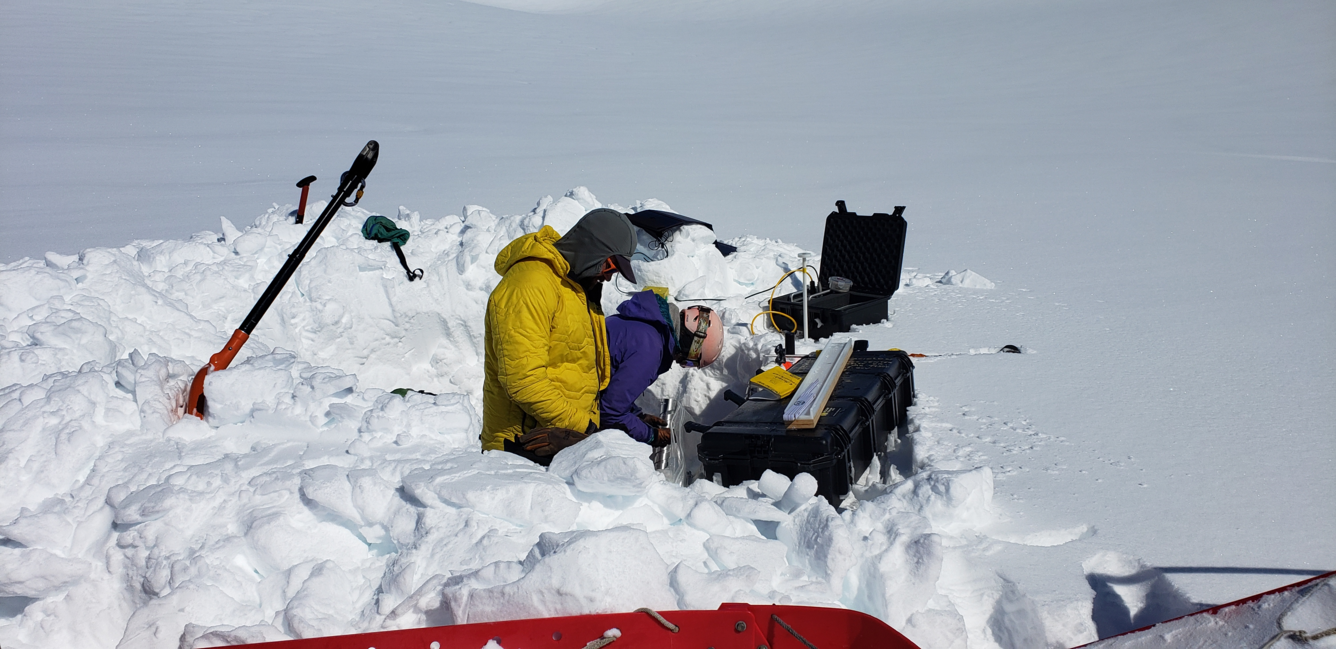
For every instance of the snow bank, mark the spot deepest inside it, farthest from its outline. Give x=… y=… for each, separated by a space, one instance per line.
x=313 y=502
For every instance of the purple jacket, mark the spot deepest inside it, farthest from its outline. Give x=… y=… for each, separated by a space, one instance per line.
x=639 y=342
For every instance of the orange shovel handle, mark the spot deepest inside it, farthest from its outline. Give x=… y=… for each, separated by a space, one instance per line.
x=220 y=361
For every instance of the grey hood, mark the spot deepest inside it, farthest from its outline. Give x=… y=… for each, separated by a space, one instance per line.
x=598 y=235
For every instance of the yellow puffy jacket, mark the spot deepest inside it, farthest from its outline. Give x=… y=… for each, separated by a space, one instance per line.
x=546 y=350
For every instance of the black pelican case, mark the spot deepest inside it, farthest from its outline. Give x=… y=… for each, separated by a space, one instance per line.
x=866 y=249
x=861 y=420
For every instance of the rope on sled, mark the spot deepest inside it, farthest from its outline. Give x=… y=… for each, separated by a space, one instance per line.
x=1302 y=636
x=602 y=642
x=610 y=636
x=659 y=618
x=792 y=632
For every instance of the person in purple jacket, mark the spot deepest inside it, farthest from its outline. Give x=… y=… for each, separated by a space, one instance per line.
x=642 y=345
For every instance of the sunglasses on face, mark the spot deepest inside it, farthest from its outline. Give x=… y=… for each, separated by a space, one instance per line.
x=609 y=269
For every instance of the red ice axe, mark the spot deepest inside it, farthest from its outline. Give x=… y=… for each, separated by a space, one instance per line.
x=353 y=181
x=305 y=184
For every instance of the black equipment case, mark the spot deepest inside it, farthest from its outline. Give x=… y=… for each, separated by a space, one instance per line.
x=861 y=420
x=867 y=249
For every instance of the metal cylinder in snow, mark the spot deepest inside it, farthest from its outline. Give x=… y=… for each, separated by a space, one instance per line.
x=803 y=257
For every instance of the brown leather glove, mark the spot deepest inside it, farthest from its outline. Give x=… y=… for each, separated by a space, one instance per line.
x=548 y=441
x=654 y=422
x=662 y=437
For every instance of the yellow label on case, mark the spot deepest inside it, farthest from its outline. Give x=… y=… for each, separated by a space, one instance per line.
x=777 y=380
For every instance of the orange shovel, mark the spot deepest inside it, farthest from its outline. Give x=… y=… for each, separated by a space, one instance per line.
x=353 y=182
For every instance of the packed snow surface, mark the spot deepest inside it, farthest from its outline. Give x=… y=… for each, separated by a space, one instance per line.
x=311 y=501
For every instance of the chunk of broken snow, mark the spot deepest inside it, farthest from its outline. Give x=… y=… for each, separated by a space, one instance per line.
x=966 y=278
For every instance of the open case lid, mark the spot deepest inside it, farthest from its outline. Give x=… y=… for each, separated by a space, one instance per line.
x=867 y=249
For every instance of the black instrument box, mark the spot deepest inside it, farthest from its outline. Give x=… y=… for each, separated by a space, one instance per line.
x=860 y=421
x=866 y=249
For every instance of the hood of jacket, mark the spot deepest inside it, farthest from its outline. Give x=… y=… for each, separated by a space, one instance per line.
x=598 y=235
x=539 y=245
x=648 y=307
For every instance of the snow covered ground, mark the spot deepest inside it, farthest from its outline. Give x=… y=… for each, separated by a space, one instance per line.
x=1147 y=186
x=313 y=502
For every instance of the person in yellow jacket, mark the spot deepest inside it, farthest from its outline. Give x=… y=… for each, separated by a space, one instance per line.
x=545 y=344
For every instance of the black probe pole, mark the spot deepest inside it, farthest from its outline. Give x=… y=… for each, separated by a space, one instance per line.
x=355 y=177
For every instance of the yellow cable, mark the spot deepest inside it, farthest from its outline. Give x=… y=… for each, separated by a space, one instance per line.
x=751 y=328
x=772 y=299
x=751 y=325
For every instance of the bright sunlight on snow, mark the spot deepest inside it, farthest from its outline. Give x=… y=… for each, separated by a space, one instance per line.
x=1136 y=193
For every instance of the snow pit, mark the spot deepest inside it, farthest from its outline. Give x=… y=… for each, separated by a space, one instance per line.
x=314 y=502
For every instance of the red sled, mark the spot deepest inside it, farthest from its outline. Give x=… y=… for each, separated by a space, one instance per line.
x=732 y=626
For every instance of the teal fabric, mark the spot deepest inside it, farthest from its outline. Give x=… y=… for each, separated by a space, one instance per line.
x=667 y=318
x=379 y=228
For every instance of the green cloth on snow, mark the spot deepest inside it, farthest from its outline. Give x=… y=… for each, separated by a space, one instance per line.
x=379 y=228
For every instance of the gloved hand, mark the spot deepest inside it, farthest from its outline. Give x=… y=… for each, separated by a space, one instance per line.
x=662 y=437
x=654 y=422
x=548 y=441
